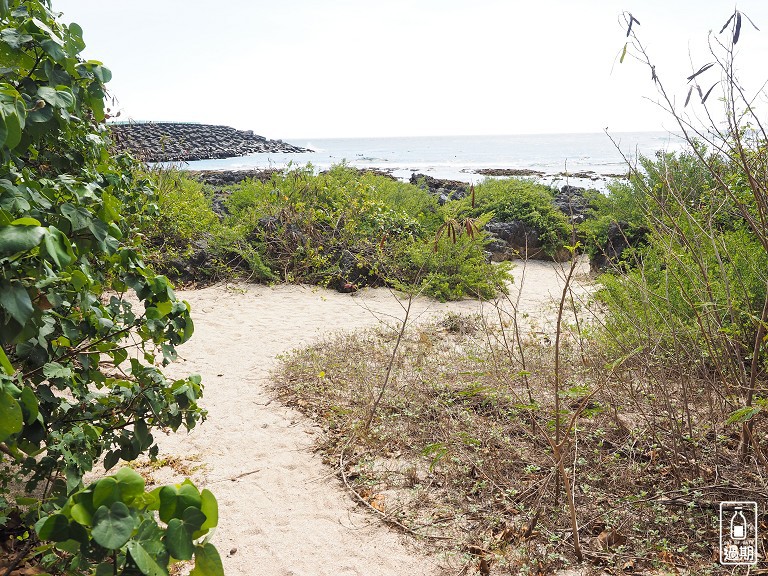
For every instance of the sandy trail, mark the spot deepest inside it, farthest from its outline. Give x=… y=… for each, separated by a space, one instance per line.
x=282 y=512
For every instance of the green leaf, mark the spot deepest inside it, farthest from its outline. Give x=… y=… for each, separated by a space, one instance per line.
x=105 y=492
x=209 y=507
x=3 y=130
x=168 y=499
x=54 y=527
x=112 y=458
x=11 y=417
x=743 y=414
x=207 y=562
x=131 y=484
x=178 y=540
x=174 y=500
x=81 y=514
x=144 y=561
x=58 y=248
x=105 y=569
x=5 y=364
x=15 y=300
x=56 y=370
x=54 y=50
x=15 y=239
x=113 y=526
x=30 y=404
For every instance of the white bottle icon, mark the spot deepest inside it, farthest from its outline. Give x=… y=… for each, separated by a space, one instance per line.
x=738 y=525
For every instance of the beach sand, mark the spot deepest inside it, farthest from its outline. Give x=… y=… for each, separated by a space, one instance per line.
x=281 y=510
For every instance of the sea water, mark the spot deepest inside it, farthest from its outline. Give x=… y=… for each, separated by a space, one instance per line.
x=600 y=155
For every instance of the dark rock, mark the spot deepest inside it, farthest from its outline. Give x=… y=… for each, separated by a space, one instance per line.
x=570 y=200
x=619 y=239
x=509 y=172
x=588 y=175
x=444 y=189
x=515 y=239
x=179 y=142
x=352 y=275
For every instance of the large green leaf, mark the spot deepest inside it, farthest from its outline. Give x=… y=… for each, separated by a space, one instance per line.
x=207 y=562
x=131 y=484
x=113 y=526
x=3 y=130
x=15 y=239
x=178 y=540
x=105 y=492
x=57 y=247
x=11 y=417
x=174 y=500
x=54 y=527
x=210 y=508
x=9 y=115
x=144 y=561
x=15 y=300
x=5 y=364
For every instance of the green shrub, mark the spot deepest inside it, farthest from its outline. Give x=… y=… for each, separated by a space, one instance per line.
x=449 y=270
x=188 y=241
x=699 y=282
x=344 y=227
x=511 y=199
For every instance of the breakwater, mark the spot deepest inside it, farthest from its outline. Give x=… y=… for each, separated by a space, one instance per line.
x=183 y=142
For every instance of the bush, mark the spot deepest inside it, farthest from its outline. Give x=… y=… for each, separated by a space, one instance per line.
x=512 y=199
x=189 y=242
x=342 y=228
x=70 y=214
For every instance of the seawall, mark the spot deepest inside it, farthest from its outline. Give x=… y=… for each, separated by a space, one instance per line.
x=180 y=142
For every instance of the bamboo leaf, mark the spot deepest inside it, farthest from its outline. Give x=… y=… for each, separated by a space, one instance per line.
x=703 y=100
x=688 y=98
x=701 y=71
x=737 y=29
x=726 y=24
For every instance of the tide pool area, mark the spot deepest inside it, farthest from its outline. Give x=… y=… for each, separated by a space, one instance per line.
x=579 y=159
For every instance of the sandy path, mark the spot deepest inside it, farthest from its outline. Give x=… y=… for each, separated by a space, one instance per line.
x=282 y=512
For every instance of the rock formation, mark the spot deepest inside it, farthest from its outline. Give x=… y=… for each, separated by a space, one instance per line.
x=180 y=142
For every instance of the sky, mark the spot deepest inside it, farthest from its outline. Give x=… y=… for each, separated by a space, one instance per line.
x=358 y=68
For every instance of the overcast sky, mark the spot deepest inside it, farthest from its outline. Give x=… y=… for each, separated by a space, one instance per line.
x=352 y=68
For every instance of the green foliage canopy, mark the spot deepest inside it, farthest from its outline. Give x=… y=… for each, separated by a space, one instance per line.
x=84 y=325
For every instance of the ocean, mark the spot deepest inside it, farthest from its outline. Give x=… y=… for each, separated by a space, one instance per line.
x=593 y=156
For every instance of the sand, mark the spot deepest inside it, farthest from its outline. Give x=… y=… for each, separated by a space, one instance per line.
x=282 y=511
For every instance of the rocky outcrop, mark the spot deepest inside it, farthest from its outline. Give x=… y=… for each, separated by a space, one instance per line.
x=620 y=237
x=509 y=172
x=572 y=202
x=179 y=142
x=515 y=239
x=230 y=177
x=445 y=190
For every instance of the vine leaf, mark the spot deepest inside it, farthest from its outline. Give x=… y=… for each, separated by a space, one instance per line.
x=112 y=527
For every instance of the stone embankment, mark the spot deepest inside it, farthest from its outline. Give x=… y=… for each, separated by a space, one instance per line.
x=179 y=142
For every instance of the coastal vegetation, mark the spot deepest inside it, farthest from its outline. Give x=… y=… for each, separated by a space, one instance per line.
x=609 y=430
x=80 y=362
x=343 y=229
x=606 y=430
